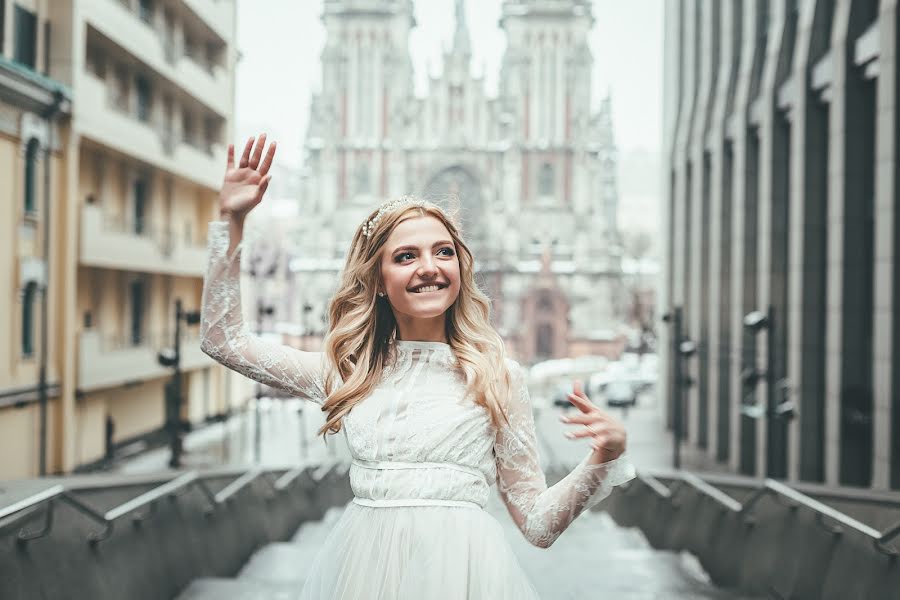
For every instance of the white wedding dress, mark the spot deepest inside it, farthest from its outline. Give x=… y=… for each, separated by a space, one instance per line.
x=424 y=459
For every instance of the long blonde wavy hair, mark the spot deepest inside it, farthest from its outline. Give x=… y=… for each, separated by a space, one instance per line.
x=362 y=325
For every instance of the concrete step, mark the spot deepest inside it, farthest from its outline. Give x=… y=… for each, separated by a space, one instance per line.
x=315 y=532
x=282 y=562
x=593 y=558
x=216 y=588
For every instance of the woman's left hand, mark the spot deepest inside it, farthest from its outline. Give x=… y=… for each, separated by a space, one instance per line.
x=607 y=435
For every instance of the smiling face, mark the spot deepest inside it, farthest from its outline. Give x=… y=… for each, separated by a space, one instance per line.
x=420 y=272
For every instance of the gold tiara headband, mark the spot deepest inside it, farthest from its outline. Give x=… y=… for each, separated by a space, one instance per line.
x=386 y=207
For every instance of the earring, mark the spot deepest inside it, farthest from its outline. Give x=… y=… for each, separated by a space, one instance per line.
x=381 y=294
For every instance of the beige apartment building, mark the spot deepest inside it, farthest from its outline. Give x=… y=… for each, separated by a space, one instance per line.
x=136 y=159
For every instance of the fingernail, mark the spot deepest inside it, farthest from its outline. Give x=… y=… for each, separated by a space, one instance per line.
x=564 y=418
x=570 y=435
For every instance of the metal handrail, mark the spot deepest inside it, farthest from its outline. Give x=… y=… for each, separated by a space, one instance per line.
x=792 y=498
x=33 y=500
x=717 y=495
x=320 y=473
x=285 y=481
x=228 y=492
x=59 y=493
x=655 y=486
x=151 y=496
x=888 y=536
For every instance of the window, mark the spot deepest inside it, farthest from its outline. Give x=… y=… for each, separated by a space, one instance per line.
x=26 y=37
x=140 y=206
x=142 y=88
x=189 y=48
x=361 y=178
x=545 y=302
x=145 y=10
x=136 y=296
x=2 y=23
x=120 y=89
x=187 y=128
x=211 y=133
x=31 y=156
x=95 y=61
x=544 y=340
x=47 y=48
x=212 y=56
x=169 y=35
x=545 y=180
x=28 y=301
x=28 y=296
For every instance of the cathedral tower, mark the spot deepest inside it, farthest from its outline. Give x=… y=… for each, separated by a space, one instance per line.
x=366 y=82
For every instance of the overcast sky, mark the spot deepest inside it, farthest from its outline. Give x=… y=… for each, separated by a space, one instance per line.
x=281 y=40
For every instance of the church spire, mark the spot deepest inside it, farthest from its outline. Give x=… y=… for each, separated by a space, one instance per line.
x=461 y=43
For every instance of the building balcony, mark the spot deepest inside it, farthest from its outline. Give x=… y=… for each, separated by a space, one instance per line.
x=97 y=118
x=217 y=14
x=210 y=87
x=110 y=243
x=108 y=361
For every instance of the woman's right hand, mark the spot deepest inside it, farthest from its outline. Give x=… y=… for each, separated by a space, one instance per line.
x=245 y=184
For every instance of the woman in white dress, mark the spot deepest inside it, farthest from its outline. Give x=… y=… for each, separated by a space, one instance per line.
x=432 y=410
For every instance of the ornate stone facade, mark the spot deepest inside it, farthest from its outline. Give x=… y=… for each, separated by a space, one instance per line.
x=532 y=171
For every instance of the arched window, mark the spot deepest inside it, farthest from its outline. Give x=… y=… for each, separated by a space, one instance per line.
x=31 y=157
x=457 y=189
x=544 y=341
x=546 y=183
x=28 y=296
x=545 y=302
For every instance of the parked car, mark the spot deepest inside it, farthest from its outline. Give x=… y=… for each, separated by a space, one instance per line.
x=620 y=393
x=561 y=396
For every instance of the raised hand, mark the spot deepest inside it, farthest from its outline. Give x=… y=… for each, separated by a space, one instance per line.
x=607 y=435
x=246 y=183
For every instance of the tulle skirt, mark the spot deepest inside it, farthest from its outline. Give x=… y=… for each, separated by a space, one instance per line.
x=420 y=552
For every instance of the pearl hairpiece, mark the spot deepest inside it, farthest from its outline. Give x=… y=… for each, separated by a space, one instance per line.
x=386 y=207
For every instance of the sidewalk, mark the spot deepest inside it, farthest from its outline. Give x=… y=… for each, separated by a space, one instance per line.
x=287 y=437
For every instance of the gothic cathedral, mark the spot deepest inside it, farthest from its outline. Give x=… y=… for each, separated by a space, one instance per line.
x=531 y=172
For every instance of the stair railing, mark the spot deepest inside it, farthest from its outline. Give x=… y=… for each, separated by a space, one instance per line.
x=50 y=497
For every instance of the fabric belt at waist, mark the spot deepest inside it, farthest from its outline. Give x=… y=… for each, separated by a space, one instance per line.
x=393 y=502
x=388 y=465
x=394 y=465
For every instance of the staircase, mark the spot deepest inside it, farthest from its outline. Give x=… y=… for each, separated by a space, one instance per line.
x=594 y=558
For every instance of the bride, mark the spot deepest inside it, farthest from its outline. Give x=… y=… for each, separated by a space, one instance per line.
x=433 y=412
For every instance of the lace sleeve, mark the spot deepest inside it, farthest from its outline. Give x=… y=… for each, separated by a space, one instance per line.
x=225 y=337
x=543 y=513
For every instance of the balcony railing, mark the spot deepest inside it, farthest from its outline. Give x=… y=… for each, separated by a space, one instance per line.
x=764 y=537
x=111 y=242
x=154 y=143
x=208 y=84
x=218 y=14
x=108 y=360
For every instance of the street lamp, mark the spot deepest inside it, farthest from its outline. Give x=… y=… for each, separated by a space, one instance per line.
x=171 y=357
x=262 y=310
x=263 y=265
x=307 y=309
x=682 y=348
